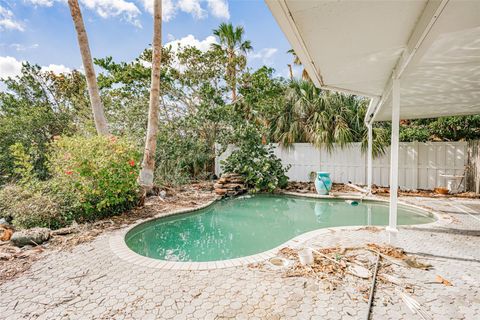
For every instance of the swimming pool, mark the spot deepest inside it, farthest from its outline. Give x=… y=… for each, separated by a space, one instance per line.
x=244 y=226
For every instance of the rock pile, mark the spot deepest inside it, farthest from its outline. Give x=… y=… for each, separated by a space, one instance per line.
x=230 y=184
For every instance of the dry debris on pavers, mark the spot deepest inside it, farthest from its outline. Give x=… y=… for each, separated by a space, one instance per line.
x=350 y=268
x=14 y=260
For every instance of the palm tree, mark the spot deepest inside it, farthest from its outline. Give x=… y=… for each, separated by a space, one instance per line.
x=148 y=164
x=232 y=43
x=297 y=62
x=93 y=92
x=323 y=118
x=311 y=115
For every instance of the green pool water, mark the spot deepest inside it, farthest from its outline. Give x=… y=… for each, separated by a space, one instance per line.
x=248 y=225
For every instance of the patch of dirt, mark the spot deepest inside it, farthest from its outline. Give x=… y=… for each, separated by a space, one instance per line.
x=309 y=187
x=14 y=261
x=385 y=192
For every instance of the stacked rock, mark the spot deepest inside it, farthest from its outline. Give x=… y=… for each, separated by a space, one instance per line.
x=230 y=184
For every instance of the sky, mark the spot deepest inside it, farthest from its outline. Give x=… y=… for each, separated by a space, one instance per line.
x=42 y=32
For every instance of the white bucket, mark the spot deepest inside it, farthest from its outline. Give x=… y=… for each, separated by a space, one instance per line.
x=306 y=256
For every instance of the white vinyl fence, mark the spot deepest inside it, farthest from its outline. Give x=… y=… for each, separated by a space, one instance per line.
x=420 y=164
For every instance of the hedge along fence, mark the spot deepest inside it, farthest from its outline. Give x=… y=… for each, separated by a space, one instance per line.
x=421 y=164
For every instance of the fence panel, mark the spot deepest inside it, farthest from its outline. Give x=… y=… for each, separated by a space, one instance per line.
x=421 y=165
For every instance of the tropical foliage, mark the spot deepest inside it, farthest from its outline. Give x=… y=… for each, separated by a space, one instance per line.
x=255 y=161
x=208 y=100
x=90 y=178
x=36 y=107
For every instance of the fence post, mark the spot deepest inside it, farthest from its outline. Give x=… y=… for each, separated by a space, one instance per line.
x=415 y=165
x=472 y=174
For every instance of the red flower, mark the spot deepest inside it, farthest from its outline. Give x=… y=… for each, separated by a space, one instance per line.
x=131 y=163
x=68 y=172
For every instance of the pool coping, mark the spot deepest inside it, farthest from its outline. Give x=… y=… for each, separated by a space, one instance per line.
x=120 y=248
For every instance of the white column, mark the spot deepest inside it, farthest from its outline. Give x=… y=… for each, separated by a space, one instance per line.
x=392 y=220
x=369 y=158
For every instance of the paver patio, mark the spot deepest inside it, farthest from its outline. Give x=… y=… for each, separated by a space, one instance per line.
x=92 y=282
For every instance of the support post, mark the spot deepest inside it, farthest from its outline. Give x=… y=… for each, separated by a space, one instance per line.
x=369 y=158
x=392 y=219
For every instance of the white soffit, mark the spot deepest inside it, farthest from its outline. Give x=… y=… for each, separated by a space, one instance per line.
x=355 y=46
x=443 y=78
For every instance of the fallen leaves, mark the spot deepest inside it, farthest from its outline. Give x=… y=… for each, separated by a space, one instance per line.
x=390 y=251
x=14 y=260
x=414 y=263
x=5 y=232
x=333 y=265
x=440 y=279
x=330 y=265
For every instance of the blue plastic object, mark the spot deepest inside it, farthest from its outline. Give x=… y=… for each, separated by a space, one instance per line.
x=323 y=183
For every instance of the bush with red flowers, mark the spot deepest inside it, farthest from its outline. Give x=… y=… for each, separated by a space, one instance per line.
x=97 y=176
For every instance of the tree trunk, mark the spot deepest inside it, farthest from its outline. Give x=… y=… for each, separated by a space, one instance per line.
x=148 y=164
x=290 y=70
x=231 y=70
x=234 y=86
x=95 y=101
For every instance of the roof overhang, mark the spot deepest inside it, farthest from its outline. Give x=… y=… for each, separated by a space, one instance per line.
x=357 y=47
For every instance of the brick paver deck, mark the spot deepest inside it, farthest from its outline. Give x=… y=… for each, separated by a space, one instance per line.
x=92 y=282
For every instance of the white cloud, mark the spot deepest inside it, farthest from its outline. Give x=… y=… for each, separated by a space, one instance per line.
x=22 y=47
x=8 y=21
x=57 y=68
x=193 y=7
x=104 y=8
x=114 y=8
x=9 y=67
x=44 y=3
x=190 y=40
x=219 y=8
x=266 y=55
x=169 y=9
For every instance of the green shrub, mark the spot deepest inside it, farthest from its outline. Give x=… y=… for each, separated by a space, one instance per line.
x=96 y=177
x=180 y=156
x=257 y=163
x=91 y=178
x=30 y=208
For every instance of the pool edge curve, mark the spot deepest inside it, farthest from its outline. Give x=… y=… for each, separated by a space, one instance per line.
x=120 y=248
